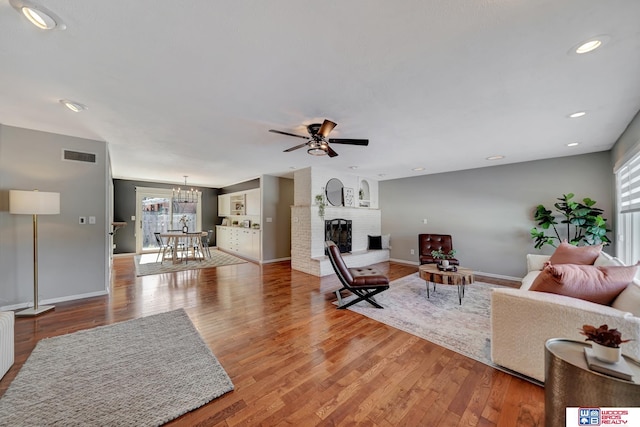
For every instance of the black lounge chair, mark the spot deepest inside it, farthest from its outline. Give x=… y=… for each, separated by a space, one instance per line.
x=364 y=282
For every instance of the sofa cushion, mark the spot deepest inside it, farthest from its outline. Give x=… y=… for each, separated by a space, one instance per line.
x=629 y=299
x=596 y=284
x=566 y=253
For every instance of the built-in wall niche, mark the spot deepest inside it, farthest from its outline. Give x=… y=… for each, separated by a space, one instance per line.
x=364 y=194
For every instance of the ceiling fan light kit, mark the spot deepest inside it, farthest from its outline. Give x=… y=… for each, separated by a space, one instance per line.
x=318 y=142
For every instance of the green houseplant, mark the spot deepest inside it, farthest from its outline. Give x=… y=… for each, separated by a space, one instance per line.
x=321 y=204
x=440 y=254
x=583 y=221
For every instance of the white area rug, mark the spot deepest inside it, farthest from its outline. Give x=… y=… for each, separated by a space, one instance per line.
x=146 y=264
x=143 y=372
x=465 y=329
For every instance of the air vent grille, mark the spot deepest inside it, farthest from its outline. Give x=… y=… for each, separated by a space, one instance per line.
x=78 y=156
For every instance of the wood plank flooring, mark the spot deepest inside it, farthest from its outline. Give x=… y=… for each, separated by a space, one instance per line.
x=297 y=361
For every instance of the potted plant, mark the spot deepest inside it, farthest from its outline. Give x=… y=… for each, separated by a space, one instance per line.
x=184 y=220
x=443 y=257
x=606 y=342
x=321 y=204
x=589 y=227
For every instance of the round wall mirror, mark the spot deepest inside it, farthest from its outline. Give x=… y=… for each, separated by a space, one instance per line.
x=334 y=192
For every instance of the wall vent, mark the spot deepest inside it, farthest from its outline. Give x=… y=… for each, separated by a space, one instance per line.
x=78 y=156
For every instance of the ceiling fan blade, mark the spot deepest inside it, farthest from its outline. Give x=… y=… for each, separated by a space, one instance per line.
x=295 y=148
x=287 y=133
x=349 y=141
x=330 y=152
x=326 y=128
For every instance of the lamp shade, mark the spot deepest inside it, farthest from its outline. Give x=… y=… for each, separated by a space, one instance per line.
x=34 y=202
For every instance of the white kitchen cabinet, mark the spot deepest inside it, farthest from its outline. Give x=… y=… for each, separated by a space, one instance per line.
x=224 y=205
x=253 y=202
x=244 y=242
x=255 y=244
x=222 y=237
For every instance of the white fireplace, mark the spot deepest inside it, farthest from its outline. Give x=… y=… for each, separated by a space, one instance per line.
x=308 y=227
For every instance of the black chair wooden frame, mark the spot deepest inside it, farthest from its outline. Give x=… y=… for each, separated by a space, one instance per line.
x=364 y=286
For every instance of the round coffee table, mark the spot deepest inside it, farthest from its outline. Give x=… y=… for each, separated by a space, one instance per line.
x=432 y=274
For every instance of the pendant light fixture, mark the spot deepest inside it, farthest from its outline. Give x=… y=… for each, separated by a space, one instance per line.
x=185 y=196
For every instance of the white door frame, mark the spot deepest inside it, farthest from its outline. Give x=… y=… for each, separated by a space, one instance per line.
x=142 y=192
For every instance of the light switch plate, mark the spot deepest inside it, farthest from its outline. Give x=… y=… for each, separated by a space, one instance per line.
x=92 y=220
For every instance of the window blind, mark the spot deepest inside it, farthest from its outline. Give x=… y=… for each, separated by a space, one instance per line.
x=629 y=185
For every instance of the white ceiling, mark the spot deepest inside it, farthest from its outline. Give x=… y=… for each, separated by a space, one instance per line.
x=192 y=88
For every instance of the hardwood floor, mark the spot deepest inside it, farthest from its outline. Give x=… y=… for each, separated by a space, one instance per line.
x=295 y=359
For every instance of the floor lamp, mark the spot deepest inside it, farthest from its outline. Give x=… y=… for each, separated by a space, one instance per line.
x=34 y=203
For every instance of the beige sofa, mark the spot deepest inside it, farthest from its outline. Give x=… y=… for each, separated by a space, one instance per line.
x=522 y=320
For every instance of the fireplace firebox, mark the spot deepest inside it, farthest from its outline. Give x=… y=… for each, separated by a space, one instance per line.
x=339 y=232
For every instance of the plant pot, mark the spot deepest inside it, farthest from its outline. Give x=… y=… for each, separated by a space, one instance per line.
x=444 y=263
x=606 y=354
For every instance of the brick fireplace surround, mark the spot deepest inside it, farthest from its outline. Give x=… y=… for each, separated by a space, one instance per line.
x=308 y=228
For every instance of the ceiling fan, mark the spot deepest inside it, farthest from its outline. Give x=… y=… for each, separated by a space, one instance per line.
x=318 y=142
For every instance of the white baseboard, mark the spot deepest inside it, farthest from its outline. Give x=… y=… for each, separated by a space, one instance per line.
x=270 y=261
x=481 y=273
x=498 y=276
x=404 y=261
x=54 y=300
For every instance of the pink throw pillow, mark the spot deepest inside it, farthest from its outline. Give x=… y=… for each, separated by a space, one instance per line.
x=566 y=253
x=596 y=284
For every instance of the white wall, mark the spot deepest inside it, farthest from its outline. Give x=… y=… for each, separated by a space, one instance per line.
x=489 y=211
x=73 y=258
x=307 y=227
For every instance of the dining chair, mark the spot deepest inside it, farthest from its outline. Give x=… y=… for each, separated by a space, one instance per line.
x=205 y=239
x=162 y=247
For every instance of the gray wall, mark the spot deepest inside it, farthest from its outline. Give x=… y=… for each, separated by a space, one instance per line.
x=241 y=186
x=489 y=211
x=73 y=258
x=629 y=142
x=124 y=207
x=277 y=199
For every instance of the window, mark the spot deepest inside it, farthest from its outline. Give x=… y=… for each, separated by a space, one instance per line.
x=628 y=189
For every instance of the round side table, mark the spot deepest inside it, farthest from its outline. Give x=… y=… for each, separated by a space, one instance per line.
x=570 y=383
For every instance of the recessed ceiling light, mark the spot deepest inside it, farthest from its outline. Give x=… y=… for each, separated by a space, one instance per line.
x=577 y=114
x=382 y=174
x=76 y=107
x=499 y=157
x=353 y=167
x=589 y=45
x=417 y=169
x=573 y=144
x=38 y=15
x=39 y=18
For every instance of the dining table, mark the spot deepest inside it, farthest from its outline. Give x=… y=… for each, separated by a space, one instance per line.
x=190 y=240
